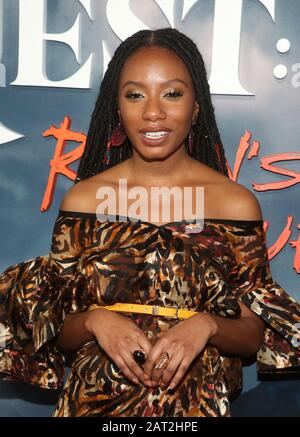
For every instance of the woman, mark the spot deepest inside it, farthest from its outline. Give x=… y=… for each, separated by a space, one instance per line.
x=153 y=125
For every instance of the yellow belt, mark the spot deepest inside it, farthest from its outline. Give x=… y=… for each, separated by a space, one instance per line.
x=154 y=310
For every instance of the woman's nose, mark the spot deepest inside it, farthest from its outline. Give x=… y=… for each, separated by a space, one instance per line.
x=153 y=109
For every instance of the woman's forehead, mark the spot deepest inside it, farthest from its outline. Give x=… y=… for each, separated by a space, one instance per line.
x=150 y=62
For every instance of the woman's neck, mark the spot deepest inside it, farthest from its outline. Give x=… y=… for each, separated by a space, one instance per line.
x=158 y=173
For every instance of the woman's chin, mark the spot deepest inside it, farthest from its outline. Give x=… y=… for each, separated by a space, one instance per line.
x=155 y=153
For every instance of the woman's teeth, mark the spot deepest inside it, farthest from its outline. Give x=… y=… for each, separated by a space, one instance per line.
x=155 y=134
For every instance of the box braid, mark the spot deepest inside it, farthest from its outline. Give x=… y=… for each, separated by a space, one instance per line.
x=207 y=145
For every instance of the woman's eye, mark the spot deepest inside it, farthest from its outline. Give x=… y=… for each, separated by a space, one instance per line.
x=132 y=96
x=174 y=94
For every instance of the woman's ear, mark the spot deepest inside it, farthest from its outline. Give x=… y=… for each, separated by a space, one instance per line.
x=119 y=115
x=196 y=111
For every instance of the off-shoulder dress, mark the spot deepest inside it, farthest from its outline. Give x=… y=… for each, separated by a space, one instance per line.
x=209 y=268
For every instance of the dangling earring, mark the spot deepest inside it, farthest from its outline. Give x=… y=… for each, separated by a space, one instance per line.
x=217 y=150
x=118 y=137
x=191 y=137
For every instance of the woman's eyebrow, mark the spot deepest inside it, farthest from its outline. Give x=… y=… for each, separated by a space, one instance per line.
x=140 y=84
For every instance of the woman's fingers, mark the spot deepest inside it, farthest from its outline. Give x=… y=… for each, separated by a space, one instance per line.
x=129 y=366
x=123 y=367
x=164 y=369
x=153 y=356
x=158 y=361
x=181 y=371
x=144 y=343
x=134 y=367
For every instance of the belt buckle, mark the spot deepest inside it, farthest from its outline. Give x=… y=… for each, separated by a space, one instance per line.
x=155 y=310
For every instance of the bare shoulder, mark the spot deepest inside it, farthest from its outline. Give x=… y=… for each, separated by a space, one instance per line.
x=78 y=197
x=224 y=198
x=239 y=203
x=82 y=196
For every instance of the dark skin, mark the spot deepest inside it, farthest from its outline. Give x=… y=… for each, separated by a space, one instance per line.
x=153 y=103
x=157 y=102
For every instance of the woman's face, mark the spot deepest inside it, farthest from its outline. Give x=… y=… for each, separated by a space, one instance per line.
x=156 y=101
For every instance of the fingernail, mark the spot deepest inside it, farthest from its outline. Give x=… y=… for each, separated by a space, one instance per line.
x=171 y=386
x=136 y=381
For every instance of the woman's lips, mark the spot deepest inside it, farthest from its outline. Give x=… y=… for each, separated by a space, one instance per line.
x=155 y=141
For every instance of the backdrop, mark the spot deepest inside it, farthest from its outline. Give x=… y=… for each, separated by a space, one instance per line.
x=52 y=59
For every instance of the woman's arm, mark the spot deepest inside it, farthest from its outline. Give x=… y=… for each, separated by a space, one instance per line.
x=242 y=336
x=74 y=332
x=184 y=341
x=117 y=335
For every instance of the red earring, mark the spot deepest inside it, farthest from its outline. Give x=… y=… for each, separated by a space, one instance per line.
x=217 y=149
x=118 y=137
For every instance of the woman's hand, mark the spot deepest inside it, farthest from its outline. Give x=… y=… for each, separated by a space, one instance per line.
x=119 y=337
x=183 y=342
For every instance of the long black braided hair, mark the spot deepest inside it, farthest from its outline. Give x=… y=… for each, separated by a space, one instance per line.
x=207 y=145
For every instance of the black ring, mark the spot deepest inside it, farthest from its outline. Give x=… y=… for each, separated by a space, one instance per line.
x=139 y=356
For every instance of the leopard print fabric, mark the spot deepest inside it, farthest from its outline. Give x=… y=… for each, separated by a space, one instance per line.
x=178 y=264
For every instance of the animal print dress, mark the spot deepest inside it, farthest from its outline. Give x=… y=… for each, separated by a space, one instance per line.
x=179 y=264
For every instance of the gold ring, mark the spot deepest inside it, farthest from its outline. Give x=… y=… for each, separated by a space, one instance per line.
x=162 y=361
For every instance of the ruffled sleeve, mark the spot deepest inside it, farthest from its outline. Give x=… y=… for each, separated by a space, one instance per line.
x=253 y=285
x=34 y=296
